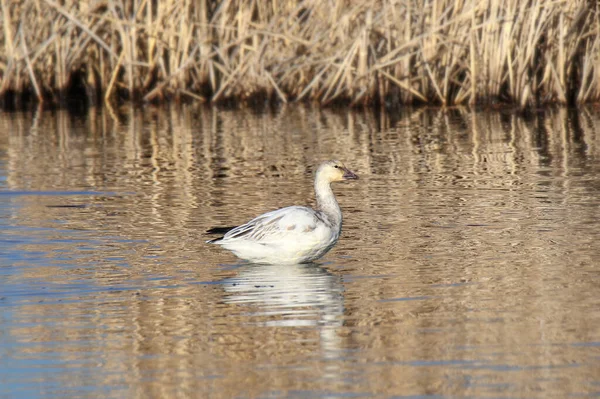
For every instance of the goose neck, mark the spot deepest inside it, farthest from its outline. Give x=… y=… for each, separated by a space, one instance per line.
x=326 y=201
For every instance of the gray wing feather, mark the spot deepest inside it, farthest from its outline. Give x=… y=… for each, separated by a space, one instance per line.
x=269 y=223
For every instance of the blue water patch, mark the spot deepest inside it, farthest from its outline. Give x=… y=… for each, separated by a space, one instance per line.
x=585 y=395
x=408 y=298
x=17 y=193
x=318 y=394
x=430 y=363
x=511 y=367
x=593 y=344
x=219 y=282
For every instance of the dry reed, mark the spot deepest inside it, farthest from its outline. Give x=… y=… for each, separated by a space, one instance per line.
x=361 y=52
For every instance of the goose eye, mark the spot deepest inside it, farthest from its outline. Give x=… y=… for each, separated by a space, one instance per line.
x=335 y=166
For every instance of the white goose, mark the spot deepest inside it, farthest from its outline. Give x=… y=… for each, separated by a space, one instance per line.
x=296 y=234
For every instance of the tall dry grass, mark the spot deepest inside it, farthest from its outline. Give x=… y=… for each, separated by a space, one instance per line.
x=390 y=52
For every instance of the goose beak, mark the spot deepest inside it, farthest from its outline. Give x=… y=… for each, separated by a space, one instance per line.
x=349 y=175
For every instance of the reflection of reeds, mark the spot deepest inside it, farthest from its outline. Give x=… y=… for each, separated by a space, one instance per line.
x=174 y=166
x=389 y=51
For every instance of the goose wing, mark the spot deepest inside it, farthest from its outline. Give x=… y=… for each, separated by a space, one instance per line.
x=279 y=224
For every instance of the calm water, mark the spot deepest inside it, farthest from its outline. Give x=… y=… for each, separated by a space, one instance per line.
x=468 y=266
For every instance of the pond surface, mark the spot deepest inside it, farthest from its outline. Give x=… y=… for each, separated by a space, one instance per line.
x=468 y=266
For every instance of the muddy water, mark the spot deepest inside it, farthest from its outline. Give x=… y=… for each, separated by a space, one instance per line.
x=468 y=266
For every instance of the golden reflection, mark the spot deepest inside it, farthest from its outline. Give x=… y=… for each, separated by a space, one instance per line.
x=465 y=262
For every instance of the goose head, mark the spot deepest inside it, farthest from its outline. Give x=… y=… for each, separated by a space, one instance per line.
x=332 y=171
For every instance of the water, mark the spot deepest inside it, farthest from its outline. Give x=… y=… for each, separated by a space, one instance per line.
x=468 y=265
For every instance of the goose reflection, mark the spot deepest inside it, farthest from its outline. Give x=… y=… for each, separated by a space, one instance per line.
x=302 y=294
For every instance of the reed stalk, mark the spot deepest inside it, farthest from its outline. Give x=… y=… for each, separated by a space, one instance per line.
x=390 y=52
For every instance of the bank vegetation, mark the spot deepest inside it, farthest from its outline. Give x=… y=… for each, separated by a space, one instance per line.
x=387 y=52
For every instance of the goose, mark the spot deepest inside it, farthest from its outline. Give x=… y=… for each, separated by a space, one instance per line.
x=295 y=234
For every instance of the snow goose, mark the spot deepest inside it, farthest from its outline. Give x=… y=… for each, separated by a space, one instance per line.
x=296 y=234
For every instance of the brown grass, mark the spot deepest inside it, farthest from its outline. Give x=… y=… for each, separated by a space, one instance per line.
x=360 y=52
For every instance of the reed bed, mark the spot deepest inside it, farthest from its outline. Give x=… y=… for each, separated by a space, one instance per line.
x=386 y=52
